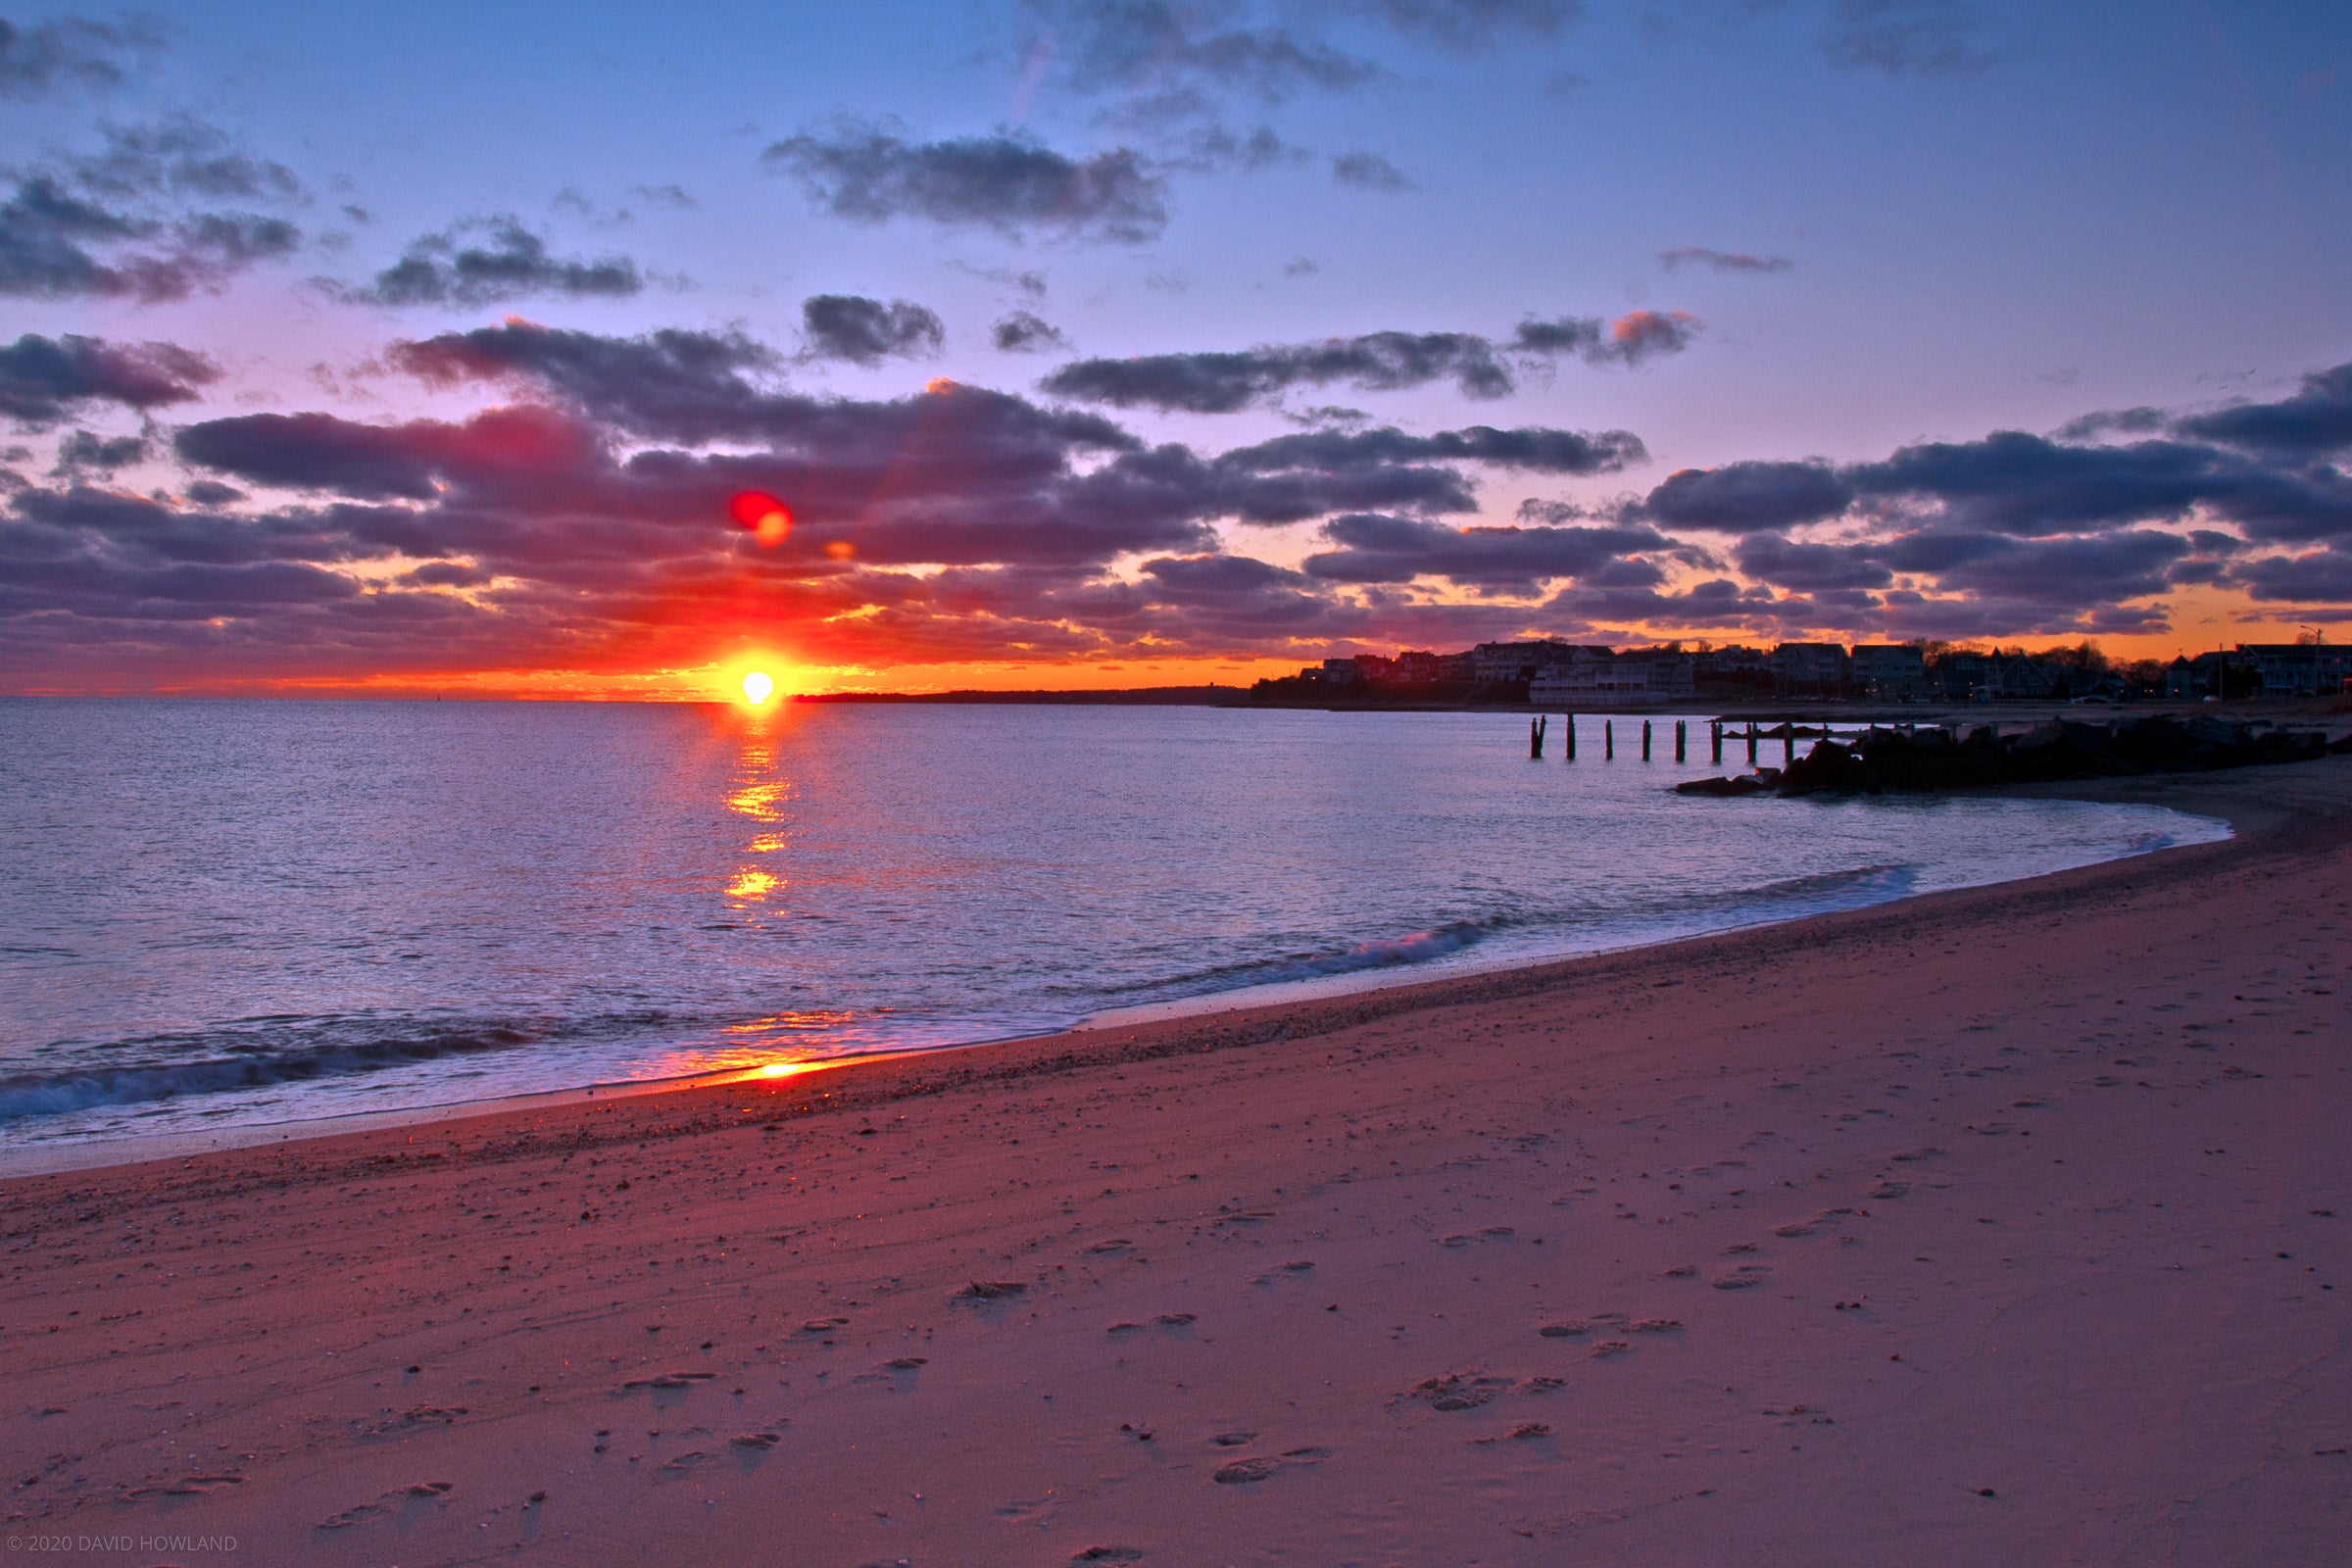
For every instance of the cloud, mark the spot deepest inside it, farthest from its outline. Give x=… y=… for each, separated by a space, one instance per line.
x=2315 y=420
x=1905 y=37
x=183 y=157
x=1164 y=47
x=1221 y=382
x=1368 y=172
x=123 y=224
x=507 y=262
x=863 y=331
x=1723 y=261
x=69 y=52
x=1373 y=548
x=44 y=381
x=84 y=452
x=1747 y=497
x=1024 y=334
x=864 y=172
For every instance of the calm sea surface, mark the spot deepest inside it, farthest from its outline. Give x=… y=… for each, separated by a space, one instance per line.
x=217 y=913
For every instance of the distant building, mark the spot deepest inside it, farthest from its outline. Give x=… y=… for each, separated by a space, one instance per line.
x=1643 y=675
x=1731 y=661
x=2297 y=670
x=1526 y=660
x=1341 y=672
x=1810 y=670
x=1420 y=667
x=1889 y=672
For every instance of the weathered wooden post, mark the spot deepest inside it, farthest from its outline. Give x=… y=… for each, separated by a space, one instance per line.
x=1788 y=743
x=1645 y=740
x=1568 y=737
x=1682 y=740
x=1535 y=739
x=1715 y=741
x=1751 y=743
x=1609 y=740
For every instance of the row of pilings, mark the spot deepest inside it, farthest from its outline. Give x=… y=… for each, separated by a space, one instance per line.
x=1538 y=730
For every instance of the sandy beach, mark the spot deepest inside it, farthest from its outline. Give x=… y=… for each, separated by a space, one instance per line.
x=2002 y=1226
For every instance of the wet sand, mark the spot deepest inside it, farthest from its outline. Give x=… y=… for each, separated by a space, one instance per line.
x=2007 y=1225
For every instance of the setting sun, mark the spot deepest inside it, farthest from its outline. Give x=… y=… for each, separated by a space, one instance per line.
x=758 y=687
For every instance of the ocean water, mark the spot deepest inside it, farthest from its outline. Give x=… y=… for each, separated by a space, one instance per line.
x=218 y=913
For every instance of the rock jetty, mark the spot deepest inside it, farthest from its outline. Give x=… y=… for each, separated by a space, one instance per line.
x=1920 y=759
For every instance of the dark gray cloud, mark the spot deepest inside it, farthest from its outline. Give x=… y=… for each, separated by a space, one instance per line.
x=1373 y=548
x=86 y=452
x=2316 y=420
x=69 y=52
x=2316 y=577
x=863 y=331
x=181 y=157
x=118 y=225
x=1723 y=261
x=124 y=223
x=484 y=261
x=46 y=380
x=1368 y=172
x=1905 y=37
x=1747 y=497
x=1024 y=334
x=1163 y=47
x=1216 y=382
x=1811 y=567
x=867 y=172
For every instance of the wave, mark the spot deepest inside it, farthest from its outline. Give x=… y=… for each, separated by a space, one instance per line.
x=280 y=1052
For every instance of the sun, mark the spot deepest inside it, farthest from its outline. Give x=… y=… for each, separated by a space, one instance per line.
x=758 y=687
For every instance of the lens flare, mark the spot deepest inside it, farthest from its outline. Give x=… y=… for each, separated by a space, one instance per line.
x=767 y=517
x=758 y=687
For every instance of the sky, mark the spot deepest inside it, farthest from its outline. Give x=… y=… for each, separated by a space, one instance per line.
x=1075 y=343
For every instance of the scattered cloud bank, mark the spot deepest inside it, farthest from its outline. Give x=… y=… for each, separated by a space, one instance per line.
x=141 y=219
x=868 y=172
x=44 y=381
x=1376 y=361
x=68 y=53
x=485 y=261
x=579 y=514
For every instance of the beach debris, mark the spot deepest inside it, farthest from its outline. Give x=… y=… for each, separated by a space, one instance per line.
x=1234 y=1440
x=1110 y=1554
x=906 y=1363
x=994 y=1290
x=1608 y=1347
x=1531 y=1429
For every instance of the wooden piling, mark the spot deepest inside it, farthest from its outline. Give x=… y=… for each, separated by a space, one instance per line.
x=1645 y=740
x=1568 y=737
x=1682 y=740
x=1535 y=739
x=1609 y=740
x=1788 y=743
x=1751 y=743
x=1715 y=742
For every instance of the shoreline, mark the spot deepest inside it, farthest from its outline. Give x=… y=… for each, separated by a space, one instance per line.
x=63 y=1157
x=2000 y=1224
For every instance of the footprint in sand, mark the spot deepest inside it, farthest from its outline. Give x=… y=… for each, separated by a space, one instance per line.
x=419 y=1490
x=1244 y=1472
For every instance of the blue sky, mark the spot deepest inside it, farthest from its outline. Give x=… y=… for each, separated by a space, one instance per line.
x=1876 y=222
